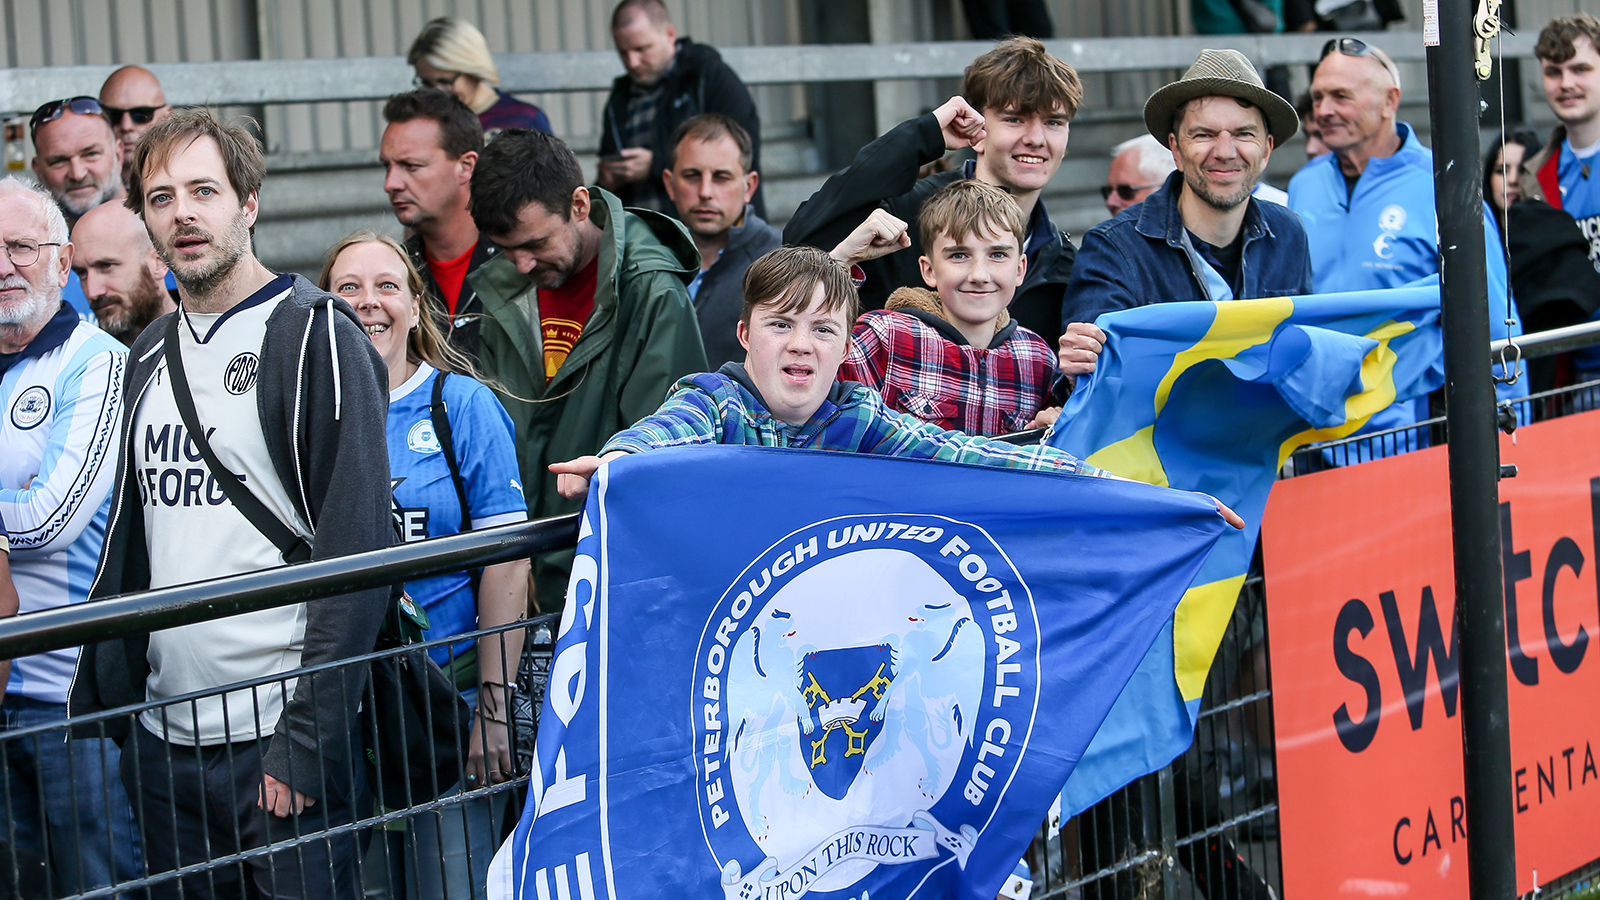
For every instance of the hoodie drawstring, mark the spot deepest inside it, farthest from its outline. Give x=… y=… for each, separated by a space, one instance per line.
x=333 y=348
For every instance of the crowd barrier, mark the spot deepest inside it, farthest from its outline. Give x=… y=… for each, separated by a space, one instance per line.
x=1205 y=826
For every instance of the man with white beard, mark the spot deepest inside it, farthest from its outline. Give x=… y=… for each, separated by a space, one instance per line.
x=60 y=400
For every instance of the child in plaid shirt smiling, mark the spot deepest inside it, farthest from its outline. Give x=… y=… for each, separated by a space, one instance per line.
x=952 y=356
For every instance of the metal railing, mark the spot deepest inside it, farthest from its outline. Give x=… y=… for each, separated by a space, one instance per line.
x=1206 y=825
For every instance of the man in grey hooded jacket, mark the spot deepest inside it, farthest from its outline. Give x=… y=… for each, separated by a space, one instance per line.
x=283 y=379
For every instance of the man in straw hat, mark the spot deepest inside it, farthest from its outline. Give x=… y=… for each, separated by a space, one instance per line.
x=1202 y=236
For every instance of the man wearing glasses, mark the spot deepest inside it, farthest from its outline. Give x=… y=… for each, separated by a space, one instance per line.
x=133 y=101
x=1368 y=206
x=60 y=401
x=1138 y=167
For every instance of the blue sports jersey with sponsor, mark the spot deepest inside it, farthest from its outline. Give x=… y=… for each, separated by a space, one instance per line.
x=425 y=496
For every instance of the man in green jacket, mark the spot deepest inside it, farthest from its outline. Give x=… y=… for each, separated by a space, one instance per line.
x=587 y=317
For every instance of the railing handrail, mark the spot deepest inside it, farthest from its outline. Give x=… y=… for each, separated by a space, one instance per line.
x=250 y=82
x=82 y=623
x=97 y=620
x=1549 y=343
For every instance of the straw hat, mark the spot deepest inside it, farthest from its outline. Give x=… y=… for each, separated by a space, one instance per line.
x=1226 y=73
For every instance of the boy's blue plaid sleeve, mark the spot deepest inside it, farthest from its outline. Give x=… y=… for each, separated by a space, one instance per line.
x=688 y=416
x=903 y=435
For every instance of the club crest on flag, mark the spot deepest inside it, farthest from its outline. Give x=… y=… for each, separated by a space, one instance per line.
x=860 y=659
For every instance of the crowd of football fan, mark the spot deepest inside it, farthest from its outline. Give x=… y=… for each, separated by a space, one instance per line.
x=174 y=411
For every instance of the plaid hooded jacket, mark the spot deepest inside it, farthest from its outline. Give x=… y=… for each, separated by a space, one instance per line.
x=725 y=408
x=923 y=366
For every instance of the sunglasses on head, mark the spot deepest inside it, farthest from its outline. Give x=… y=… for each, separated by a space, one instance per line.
x=1128 y=192
x=1350 y=46
x=83 y=106
x=142 y=115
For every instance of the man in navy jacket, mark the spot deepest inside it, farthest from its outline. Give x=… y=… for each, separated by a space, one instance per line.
x=1202 y=236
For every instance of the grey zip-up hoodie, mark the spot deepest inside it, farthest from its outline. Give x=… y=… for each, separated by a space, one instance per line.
x=322 y=392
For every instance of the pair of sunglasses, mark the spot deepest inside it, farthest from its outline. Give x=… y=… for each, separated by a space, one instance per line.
x=1350 y=46
x=142 y=115
x=1128 y=192
x=83 y=106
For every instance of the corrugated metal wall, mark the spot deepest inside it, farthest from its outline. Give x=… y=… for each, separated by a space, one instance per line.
x=77 y=32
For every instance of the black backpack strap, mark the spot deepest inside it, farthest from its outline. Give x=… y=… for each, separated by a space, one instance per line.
x=441 y=429
x=291 y=545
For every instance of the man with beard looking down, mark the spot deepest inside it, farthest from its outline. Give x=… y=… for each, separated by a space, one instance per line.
x=122 y=275
x=1202 y=236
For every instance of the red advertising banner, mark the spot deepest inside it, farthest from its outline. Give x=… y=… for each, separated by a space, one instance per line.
x=1360 y=608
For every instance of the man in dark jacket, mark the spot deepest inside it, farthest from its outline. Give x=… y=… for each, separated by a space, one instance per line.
x=587 y=318
x=670 y=80
x=1202 y=236
x=1015 y=106
x=285 y=382
x=710 y=181
x=428 y=151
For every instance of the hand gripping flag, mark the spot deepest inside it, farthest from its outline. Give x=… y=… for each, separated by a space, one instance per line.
x=1213 y=397
x=794 y=673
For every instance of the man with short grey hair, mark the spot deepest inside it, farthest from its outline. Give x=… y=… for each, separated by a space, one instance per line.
x=60 y=399
x=1138 y=166
x=76 y=155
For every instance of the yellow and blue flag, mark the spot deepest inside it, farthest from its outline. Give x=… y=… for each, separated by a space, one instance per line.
x=1214 y=397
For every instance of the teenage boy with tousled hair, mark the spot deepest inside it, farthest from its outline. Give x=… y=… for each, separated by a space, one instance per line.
x=587 y=320
x=282 y=380
x=952 y=356
x=1016 y=105
x=1564 y=174
x=429 y=149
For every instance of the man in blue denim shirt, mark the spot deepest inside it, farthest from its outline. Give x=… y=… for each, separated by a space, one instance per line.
x=1201 y=236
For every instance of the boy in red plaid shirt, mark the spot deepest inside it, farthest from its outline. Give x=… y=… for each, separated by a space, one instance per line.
x=952 y=356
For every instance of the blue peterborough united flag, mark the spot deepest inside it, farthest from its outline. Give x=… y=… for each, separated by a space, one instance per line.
x=783 y=674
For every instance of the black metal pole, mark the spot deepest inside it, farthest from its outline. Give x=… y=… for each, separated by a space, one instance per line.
x=98 y=620
x=1474 y=456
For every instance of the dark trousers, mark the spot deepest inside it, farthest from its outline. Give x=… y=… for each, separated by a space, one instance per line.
x=194 y=804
